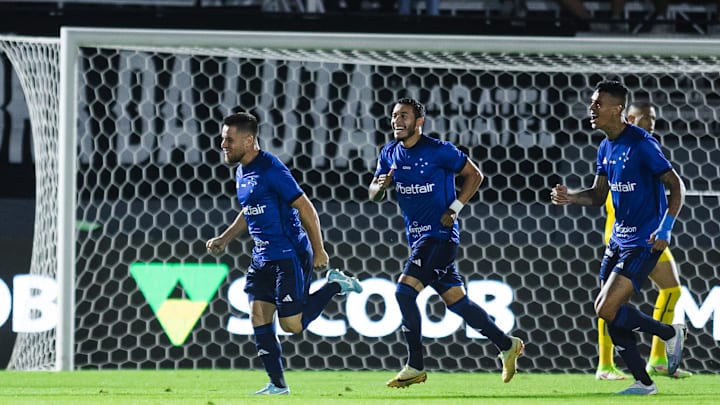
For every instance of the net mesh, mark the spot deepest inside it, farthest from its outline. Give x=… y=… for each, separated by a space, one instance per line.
x=152 y=187
x=36 y=65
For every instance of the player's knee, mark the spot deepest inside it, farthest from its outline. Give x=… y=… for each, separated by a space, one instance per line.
x=605 y=313
x=405 y=293
x=291 y=325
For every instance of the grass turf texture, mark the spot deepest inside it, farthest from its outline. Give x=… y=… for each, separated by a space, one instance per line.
x=317 y=387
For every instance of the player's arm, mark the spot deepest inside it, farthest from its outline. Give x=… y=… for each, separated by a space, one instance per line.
x=674 y=184
x=218 y=244
x=471 y=180
x=594 y=196
x=311 y=223
x=376 y=190
x=676 y=199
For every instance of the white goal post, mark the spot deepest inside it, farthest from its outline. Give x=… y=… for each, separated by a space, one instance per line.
x=137 y=111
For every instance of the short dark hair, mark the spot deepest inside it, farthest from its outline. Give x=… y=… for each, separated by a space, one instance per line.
x=641 y=104
x=242 y=121
x=615 y=89
x=417 y=106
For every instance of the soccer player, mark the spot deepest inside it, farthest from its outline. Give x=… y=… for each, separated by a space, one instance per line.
x=423 y=171
x=664 y=275
x=288 y=246
x=630 y=165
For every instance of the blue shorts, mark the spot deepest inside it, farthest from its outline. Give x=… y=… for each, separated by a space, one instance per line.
x=635 y=263
x=283 y=282
x=432 y=261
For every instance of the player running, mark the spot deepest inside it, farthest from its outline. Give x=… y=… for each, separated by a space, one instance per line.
x=423 y=171
x=632 y=167
x=288 y=246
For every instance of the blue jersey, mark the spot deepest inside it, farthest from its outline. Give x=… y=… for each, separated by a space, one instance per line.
x=424 y=179
x=265 y=189
x=632 y=163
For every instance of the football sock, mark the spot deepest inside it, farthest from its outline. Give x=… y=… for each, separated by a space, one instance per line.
x=317 y=301
x=631 y=318
x=664 y=312
x=269 y=351
x=605 y=345
x=406 y=297
x=477 y=318
x=626 y=345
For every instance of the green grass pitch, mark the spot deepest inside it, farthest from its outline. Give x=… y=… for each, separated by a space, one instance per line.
x=320 y=387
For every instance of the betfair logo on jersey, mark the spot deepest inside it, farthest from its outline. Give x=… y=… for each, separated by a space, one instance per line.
x=621 y=187
x=414 y=188
x=254 y=210
x=195 y=283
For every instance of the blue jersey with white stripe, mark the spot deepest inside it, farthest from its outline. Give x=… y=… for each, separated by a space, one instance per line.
x=266 y=189
x=424 y=180
x=633 y=163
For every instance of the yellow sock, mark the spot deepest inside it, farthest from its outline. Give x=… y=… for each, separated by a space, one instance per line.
x=605 y=345
x=664 y=312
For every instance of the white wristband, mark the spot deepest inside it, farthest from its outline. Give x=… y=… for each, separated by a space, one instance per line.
x=456 y=206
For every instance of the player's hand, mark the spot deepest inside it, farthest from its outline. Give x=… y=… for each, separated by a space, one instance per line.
x=386 y=180
x=216 y=246
x=657 y=244
x=320 y=260
x=559 y=195
x=448 y=218
x=660 y=238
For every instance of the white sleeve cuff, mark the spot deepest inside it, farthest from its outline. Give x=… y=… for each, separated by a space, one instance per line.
x=456 y=206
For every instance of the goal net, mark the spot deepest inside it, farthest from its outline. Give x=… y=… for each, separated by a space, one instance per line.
x=36 y=63
x=142 y=185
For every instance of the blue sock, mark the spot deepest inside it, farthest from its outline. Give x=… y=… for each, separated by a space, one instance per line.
x=269 y=351
x=317 y=301
x=631 y=318
x=477 y=318
x=626 y=346
x=406 y=297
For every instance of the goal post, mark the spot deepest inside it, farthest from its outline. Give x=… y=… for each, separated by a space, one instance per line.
x=140 y=184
